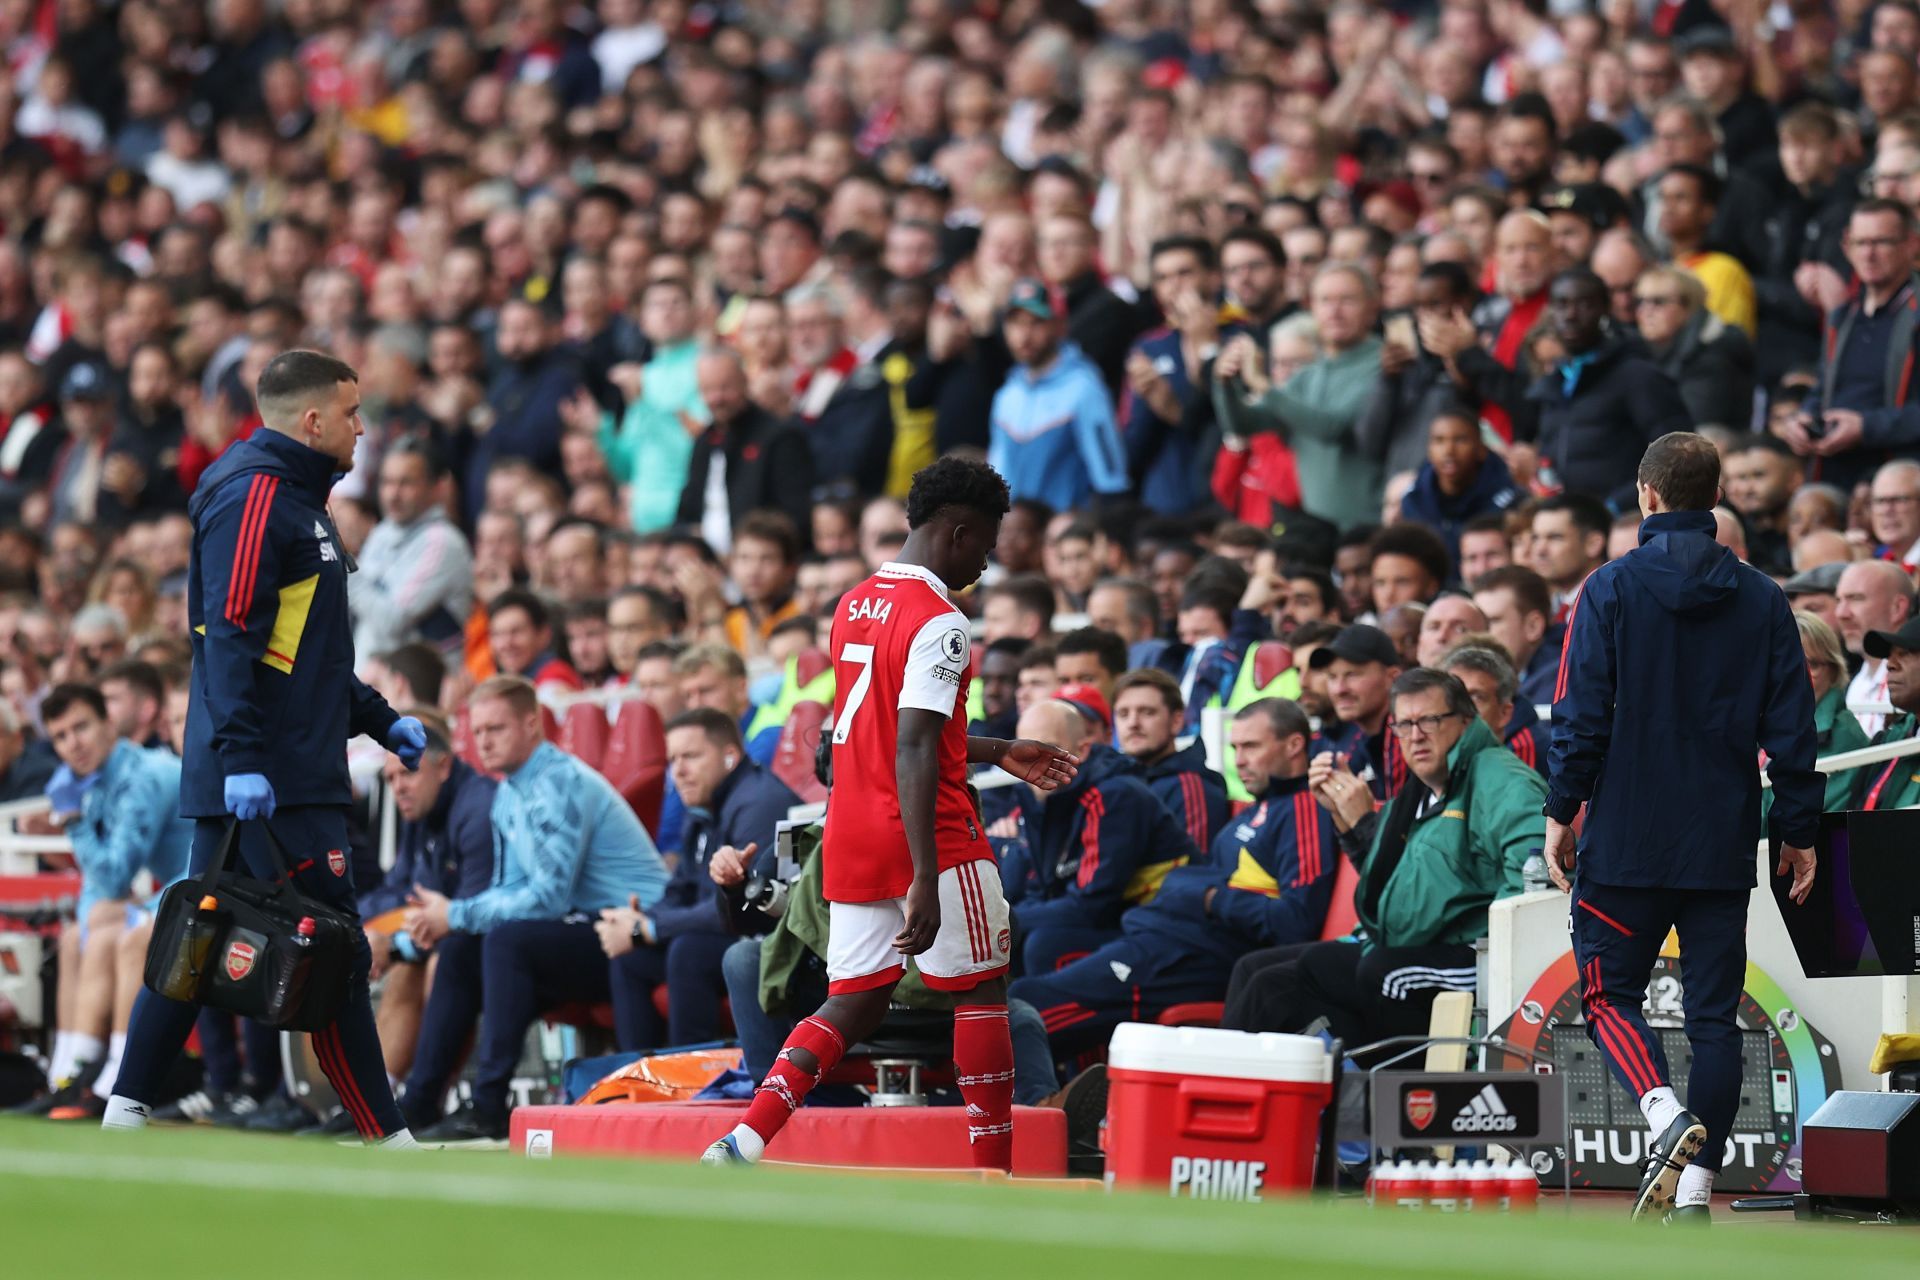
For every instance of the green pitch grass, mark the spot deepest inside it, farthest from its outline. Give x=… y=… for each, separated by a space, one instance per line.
x=209 y=1205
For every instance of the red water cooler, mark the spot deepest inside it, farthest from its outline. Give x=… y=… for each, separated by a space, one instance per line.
x=1214 y=1115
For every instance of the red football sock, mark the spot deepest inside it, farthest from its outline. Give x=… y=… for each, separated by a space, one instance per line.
x=983 y=1065
x=786 y=1086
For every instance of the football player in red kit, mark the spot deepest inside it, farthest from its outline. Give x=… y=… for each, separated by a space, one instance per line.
x=908 y=871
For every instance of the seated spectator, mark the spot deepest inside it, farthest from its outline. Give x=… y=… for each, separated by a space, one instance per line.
x=1267 y=882
x=746 y=460
x=1409 y=566
x=1053 y=432
x=120 y=804
x=1761 y=477
x=999 y=679
x=712 y=675
x=1036 y=680
x=1894 y=513
x=566 y=846
x=520 y=632
x=1835 y=728
x=1316 y=410
x=1872 y=595
x=1569 y=543
x=1479 y=663
x=1209 y=612
x=1708 y=357
x=1090 y=656
x=1021 y=606
x=1689 y=197
x=26 y=760
x=1128 y=608
x=415 y=580
x=1447 y=619
x=1147 y=712
x=1483 y=547
x=1518 y=604
x=1459 y=480
x=1402 y=625
x=1074 y=558
x=762 y=564
x=1414 y=387
x=732 y=808
x=1361 y=665
x=443 y=842
x=1093 y=849
x=1428 y=872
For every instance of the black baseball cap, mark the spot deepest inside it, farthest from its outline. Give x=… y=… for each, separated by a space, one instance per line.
x=86 y=381
x=1879 y=644
x=1358 y=644
x=1593 y=202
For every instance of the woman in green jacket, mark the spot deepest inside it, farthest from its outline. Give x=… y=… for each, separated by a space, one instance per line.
x=1834 y=727
x=1315 y=411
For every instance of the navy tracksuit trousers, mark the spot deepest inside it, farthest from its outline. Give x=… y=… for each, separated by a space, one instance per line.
x=1617 y=934
x=1131 y=979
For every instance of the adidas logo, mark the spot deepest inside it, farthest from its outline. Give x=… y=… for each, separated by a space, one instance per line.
x=1485 y=1114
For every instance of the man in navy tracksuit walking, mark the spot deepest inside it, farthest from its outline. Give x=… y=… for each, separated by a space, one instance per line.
x=1267 y=883
x=273 y=702
x=1680 y=665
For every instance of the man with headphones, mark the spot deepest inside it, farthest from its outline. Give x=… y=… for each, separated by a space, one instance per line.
x=733 y=806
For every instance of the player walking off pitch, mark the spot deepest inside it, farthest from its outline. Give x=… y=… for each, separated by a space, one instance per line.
x=908 y=871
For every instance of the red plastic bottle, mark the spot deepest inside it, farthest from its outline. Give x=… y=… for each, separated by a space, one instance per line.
x=1522 y=1188
x=1446 y=1192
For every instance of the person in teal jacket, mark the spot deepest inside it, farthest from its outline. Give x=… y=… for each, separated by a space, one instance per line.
x=1052 y=434
x=566 y=847
x=1316 y=410
x=121 y=805
x=648 y=447
x=1835 y=730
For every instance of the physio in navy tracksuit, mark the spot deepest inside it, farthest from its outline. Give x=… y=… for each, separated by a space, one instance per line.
x=1681 y=665
x=273 y=702
x=1095 y=848
x=733 y=804
x=1266 y=883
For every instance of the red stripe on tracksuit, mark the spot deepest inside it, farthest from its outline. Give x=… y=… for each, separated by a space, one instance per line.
x=246 y=558
x=1196 y=809
x=1523 y=747
x=1095 y=808
x=1306 y=839
x=332 y=1063
x=1566 y=649
x=1620 y=1037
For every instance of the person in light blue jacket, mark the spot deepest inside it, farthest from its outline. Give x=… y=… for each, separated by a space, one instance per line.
x=121 y=806
x=566 y=846
x=1053 y=435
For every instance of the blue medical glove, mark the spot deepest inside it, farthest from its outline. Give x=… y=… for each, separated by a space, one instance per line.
x=249 y=795
x=408 y=740
x=66 y=791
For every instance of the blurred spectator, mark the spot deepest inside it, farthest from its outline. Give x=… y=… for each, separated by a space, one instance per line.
x=1708 y=358
x=1835 y=727
x=1873 y=595
x=1361 y=664
x=1053 y=426
x=1459 y=481
x=1761 y=478
x=1518 y=606
x=416 y=571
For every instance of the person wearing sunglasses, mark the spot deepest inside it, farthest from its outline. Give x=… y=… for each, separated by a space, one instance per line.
x=1710 y=360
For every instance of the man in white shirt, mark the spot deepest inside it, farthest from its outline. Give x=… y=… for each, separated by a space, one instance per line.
x=1895 y=511
x=1874 y=595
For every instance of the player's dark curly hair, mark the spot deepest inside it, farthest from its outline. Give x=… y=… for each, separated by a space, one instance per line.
x=956 y=482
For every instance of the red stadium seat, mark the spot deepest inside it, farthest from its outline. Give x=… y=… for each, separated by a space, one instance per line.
x=1341 y=916
x=793 y=758
x=584 y=732
x=549 y=724
x=636 y=759
x=1196 y=1013
x=809 y=664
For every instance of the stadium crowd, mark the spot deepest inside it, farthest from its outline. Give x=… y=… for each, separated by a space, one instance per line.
x=1318 y=345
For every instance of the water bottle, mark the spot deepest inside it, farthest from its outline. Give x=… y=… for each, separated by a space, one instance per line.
x=189 y=965
x=1533 y=872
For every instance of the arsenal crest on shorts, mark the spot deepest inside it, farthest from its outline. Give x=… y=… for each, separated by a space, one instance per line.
x=336 y=862
x=1420 y=1107
x=239 y=961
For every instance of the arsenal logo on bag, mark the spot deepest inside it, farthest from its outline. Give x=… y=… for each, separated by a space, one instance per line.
x=240 y=958
x=1420 y=1107
x=336 y=862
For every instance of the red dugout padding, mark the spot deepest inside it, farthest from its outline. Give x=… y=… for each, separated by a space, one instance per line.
x=636 y=759
x=857 y=1137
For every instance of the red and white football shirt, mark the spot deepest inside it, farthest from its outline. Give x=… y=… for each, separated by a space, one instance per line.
x=897 y=642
